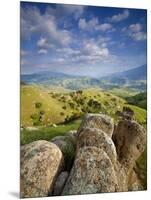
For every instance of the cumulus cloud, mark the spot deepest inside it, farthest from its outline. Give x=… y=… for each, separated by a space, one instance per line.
x=139 y=36
x=119 y=17
x=90 y=51
x=93 y=24
x=42 y=51
x=135 y=27
x=33 y=22
x=135 y=31
x=62 y=10
x=104 y=27
x=88 y=25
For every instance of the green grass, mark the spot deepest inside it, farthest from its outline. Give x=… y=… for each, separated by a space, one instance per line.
x=138 y=100
x=123 y=92
x=140 y=114
x=47 y=133
x=52 y=107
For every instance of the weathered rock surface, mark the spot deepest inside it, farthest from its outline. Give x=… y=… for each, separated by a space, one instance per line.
x=134 y=183
x=130 y=140
x=60 y=182
x=97 y=138
x=96 y=159
x=122 y=178
x=99 y=121
x=92 y=172
x=41 y=161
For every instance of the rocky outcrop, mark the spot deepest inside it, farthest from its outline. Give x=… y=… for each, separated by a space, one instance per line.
x=130 y=140
x=41 y=162
x=93 y=159
x=98 y=138
x=134 y=184
x=60 y=182
x=99 y=121
x=95 y=148
x=93 y=169
x=92 y=172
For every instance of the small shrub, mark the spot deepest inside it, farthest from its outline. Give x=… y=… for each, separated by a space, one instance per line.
x=62 y=113
x=34 y=116
x=64 y=107
x=42 y=112
x=38 y=105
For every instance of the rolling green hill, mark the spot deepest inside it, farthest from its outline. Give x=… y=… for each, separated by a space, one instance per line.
x=41 y=106
x=138 y=100
x=30 y=96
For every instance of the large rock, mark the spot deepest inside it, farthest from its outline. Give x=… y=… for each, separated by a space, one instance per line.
x=97 y=138
x=130 y=140
x=41 y=161
x=122 y=177
x=60 y=182
x=67 y=145
x=134 y=183
x=92 y=172
x=99 y=121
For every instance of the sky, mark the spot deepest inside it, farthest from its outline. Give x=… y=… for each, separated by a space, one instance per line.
x=81 y=40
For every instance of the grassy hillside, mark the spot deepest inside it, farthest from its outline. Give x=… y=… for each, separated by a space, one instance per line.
x=138 y=100
x=46 y=107
x=47 y=133
x=30 y=96
x=123 y=92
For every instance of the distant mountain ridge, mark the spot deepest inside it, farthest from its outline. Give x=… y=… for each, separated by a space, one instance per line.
x=43 y=76
x=138 y=73
x=135 y=78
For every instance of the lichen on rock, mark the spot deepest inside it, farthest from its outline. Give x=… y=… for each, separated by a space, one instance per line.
x=99 y=121
x=41 y=161
x=92 y=172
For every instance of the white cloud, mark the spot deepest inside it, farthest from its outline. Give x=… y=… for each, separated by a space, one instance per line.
x=135 y=27
x=68 y=51
x=88 y=25
x=135 y=31
x=91 y=48
x=41 y=42
x=93 y=24
x=104 y=27
x=61 y=11
x=76 y=10
x=139 y=36
x=32 y=22
x=119 y=17
x=42 y=51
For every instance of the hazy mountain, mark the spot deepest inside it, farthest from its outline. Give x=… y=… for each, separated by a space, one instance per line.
x=139 y=73
x=135 y=78
x=43 y=76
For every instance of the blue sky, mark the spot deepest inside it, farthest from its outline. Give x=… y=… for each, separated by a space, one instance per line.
x=81 y=40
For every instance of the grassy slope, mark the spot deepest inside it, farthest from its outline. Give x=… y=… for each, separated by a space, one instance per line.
x=138 y=100
x=53 y=107
x=123 y=92
x=47 y=133
x=32 y=94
